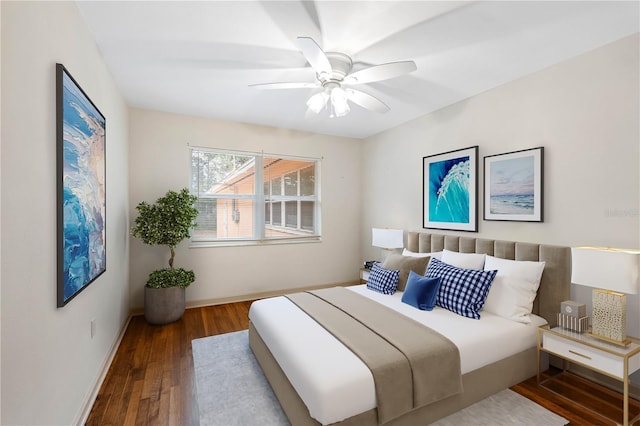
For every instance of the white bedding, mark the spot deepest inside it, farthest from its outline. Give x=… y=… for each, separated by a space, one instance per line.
x=333 y=382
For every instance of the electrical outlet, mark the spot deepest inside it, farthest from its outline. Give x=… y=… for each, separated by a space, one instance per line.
x=93 y=327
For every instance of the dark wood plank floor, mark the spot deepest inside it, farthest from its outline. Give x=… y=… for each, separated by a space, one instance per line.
x=594 y=400
x=151 y=379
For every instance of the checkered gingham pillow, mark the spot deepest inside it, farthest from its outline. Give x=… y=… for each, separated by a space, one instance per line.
x=382 y=280
x=462 y=291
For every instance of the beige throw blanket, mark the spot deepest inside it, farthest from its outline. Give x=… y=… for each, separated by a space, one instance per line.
x=411 y=364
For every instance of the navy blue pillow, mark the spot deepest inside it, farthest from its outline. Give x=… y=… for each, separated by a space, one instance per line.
x=382 y=280
x=462 y=291
x=421 y=292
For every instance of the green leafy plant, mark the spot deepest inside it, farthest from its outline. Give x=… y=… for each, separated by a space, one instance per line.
x=163 y=278
x=167 y=222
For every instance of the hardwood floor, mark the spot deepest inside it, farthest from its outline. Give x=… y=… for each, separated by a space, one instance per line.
x=151 y=379
x=598 y=398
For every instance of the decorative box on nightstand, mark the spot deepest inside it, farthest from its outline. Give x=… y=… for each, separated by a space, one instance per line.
x=574 y=309
x=569 y=322
x=608 y=359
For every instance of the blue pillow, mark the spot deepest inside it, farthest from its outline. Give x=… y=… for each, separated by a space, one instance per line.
x=382 y=280
x=462 y=291
x=421 y=292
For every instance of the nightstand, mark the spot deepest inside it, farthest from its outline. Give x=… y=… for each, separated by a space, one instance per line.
x=605 y=358
x=364 y=275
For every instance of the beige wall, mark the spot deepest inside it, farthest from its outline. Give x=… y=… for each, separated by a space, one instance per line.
x=50 y=363
x=586 y=114
x=159 y=161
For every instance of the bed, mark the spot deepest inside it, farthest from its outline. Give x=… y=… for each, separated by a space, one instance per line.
x=319 y=381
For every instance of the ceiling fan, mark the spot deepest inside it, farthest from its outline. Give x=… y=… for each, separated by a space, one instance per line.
x=333 y=71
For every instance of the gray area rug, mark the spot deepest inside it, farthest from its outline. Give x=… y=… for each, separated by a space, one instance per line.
x=232 y=391
x=231 y=387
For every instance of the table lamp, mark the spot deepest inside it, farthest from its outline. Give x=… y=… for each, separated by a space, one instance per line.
x=387 y=239
x=613 y=273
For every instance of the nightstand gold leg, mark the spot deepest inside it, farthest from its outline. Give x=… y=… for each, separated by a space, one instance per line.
x=625 y=400
x=538 y=356
x=585 y=351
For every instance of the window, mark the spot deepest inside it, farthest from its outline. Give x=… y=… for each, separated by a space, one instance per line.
x=254 y=197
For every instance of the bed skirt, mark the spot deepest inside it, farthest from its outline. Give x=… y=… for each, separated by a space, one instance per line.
x=477 y=385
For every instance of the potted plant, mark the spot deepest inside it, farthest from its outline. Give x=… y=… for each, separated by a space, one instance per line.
x=166 y=222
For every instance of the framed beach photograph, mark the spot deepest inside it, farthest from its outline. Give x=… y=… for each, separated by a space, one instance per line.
x=513 y=186
x=81 y=192
x=450 y=190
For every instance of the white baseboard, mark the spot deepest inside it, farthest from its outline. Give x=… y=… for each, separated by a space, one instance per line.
x=263 y=295
x=253 y=296
x=90 y=399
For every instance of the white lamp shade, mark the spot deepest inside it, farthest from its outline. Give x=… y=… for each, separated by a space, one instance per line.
x=318 y=101
x=339 y=102
x=387 y=238
x=606 y=268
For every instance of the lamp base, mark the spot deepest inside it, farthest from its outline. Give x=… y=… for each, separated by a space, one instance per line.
x=609 y=317
x=624 y=343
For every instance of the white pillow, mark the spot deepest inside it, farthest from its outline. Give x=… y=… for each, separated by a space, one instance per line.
x=435 y=254
x=514 y=288
x=463 y=260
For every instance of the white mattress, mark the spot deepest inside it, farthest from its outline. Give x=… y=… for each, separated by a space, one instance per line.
x=335 y=384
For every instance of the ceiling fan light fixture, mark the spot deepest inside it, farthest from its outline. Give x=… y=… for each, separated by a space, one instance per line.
x=333 y=69
x=334 y=98
x=318 y=101
x=339 y=102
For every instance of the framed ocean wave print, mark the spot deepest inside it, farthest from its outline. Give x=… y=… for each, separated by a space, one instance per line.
x=514 y=186
x=81 y=192
x=450 y=190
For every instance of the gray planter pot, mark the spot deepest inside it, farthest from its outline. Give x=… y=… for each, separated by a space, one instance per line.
x=163 y=305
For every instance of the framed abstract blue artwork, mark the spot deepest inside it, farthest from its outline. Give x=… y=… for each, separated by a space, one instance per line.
x=513 y=186
x=81 y=191
x=450 y=190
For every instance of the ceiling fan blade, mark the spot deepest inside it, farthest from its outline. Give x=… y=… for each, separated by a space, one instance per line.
x=367 y=101
x=315 y=55
x=380 y=72
x=271 y=86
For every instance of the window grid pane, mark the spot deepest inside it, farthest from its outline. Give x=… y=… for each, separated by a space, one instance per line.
x=276 y=186
x=291 y=214
x=225 y=183
x=276 y=211
x=233 y=218
x=307 y=181
x=307 y=215
x=291 y=184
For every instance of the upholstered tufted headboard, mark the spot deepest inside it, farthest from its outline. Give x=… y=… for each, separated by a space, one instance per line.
x=556 y=278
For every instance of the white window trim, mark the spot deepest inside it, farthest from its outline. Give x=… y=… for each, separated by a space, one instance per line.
x=259 y=198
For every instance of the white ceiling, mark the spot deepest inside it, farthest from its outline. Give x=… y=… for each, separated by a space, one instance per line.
x=199 y=58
